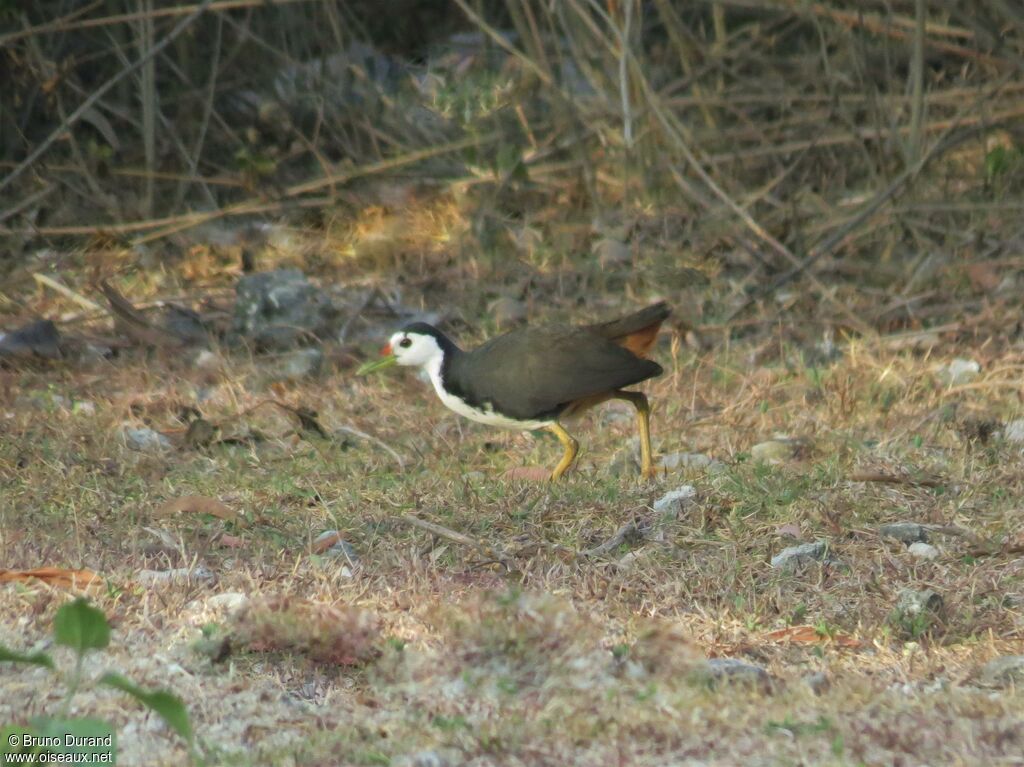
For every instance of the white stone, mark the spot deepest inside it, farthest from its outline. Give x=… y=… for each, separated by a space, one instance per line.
x=1014 y=431
x=675 y=502
x=922 y=550
x=959 y=371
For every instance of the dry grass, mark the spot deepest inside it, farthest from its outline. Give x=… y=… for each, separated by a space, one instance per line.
x=554 y=658
x=833 y=214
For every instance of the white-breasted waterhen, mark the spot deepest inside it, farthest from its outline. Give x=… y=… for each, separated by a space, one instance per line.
x=535 y=377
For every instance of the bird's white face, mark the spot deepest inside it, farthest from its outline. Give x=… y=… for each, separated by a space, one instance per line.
x=415 y=349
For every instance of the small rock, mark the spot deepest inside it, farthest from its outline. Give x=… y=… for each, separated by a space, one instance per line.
x=906 y=532
x=207 y=361
x=298 y=364
x=958 y=371
x=231 y=601
x=428 y=758
x=179 y=575
x=612 y=253
x=185 y=324
x=281 y=308
x=83 y=407
x=506 y=311
x=37 y=339
x=631 y=559
x=690 y=461
x=1014 y=431
x=332 y=546
x=343 y=550
x=914 y=602
x=330 y=543
x=916 y=612
x=732 y=670
x=145 y=439
x=796 y=556
x=773 y=451
x=674 y=503
x=618 y=413
x=818 y=682
x=922 y=550
x=1004 y=671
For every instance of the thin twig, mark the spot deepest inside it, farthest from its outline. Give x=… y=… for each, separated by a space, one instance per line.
x=148 y=98
x=627 y=114
x=63 y=25
x=380 y=443
x=894 y=479
x=97 y=94
x=28 y=202
x=462 y=539
x=917 y=81
x=204 y=123
x=67 y=292
x=625 y=532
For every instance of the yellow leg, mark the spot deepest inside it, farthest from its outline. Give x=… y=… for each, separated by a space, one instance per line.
x=643 y=421
x=571 y=448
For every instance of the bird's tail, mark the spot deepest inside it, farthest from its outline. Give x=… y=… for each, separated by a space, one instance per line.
x=636 y=331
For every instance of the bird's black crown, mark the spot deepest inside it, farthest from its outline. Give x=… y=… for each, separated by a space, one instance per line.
x=425 y=329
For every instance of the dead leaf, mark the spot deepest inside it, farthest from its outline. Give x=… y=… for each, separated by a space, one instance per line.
x=131 y=322
x=196 y=504
x=1013 y=544
x=308 y=421
x=57 y=577
x=983 y=276
x=811 y=635
x=324 y=542
x=789 y=531
x=96 y=119
x=528 y=474
x=201 y=433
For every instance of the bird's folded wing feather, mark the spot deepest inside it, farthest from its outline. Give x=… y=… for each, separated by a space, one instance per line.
x=537 y=372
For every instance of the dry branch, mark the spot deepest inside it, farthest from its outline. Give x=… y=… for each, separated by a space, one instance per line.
x=66 y=25
x=99 y=93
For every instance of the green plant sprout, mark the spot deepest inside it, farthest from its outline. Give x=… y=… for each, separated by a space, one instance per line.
x=82 y=627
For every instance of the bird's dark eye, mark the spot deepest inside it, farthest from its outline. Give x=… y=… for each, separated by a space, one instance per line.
x=405 y=343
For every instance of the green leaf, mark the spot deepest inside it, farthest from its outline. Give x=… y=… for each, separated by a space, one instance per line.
x=80 y=735
x=166 y=704
x=36 y=658
x=997 y=162
x=13 y=741
x=81 y=627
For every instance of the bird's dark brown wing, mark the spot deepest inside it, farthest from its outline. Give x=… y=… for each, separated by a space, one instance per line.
x=536 y=372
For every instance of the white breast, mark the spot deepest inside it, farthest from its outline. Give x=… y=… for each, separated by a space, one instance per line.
x=487 y=416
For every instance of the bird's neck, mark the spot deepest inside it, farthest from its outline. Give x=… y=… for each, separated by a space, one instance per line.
x=441 y=367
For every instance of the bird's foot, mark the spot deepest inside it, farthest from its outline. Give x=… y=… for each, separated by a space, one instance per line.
x=650 y=472
x=528 y=474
